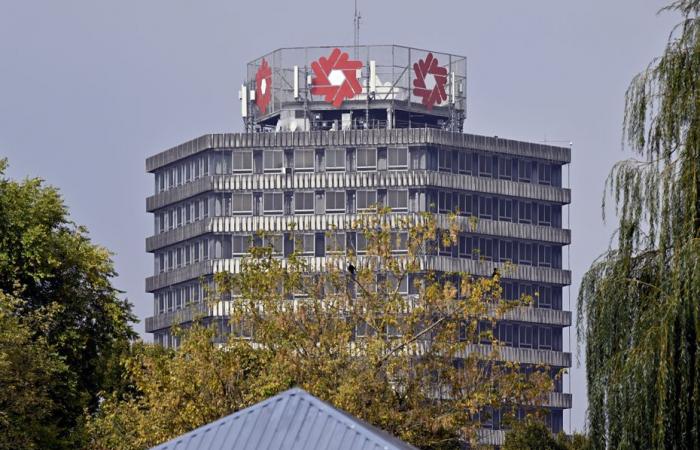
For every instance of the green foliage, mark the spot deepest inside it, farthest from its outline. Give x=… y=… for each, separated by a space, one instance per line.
x=639 y=303
x=531 y=434
x=57 y=297
x=33 y=377
x=394 y=360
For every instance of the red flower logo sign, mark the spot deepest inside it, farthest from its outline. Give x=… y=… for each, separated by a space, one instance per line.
x=336 y=77
x=263 y=86
x=436 y=94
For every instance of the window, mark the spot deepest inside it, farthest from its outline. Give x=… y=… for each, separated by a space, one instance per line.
x=304 y=243
x=195 y=251
x=366 y=200
x=525 y=253
x=242 y=203
x=399 y=285
x=361 y=246
x=505 y=168
x=335 y=201
x=399 y=241
x=273 y=202
x=242 y=161
x=465 y=246
x=505 y=251
x=272 y=160
x=240 y=245
x=525 y=171
x=486 y=249
x=505 y=209
x=544 y=297
x=335 y=159
x=444 y=160
x=397 y=199
x=545 y=338
x=545 y=256
x=274 y=241
x=525 y=212
x=505 y=333
x=303 y=159
x=398 y=158
x=545 y=215
x=485 y=207
x=335 y=242
x=525 y=336
x=366 y=158
x=485 y=165
x=465 y=204
x=444 y=202
x=465 y=162
x=545 y=174
x=304 y=202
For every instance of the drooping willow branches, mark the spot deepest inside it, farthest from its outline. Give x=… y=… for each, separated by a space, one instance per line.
x=638 y=307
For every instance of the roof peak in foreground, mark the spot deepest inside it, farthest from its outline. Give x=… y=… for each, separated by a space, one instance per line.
x=291 y=420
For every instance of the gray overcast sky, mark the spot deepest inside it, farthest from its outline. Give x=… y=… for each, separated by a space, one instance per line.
x=89 y=89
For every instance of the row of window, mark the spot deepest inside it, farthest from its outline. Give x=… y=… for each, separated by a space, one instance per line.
x=340 y=243
x=504 y=250
x=184 y=255
x=187 y=212
x=184 y=172
x=493 y=418
x=354 y=201
x=506 y=209
x=309 y=202
x=543 y=296
x=489 y=165
x=178 y=297
x=482 y=164
x=520 y=335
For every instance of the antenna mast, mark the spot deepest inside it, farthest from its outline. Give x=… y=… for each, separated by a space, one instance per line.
x=356 y=30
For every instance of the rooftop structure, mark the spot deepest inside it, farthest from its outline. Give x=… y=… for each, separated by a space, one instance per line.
x=372 y=86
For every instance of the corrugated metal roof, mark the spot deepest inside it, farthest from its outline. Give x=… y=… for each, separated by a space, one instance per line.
x=292 y=420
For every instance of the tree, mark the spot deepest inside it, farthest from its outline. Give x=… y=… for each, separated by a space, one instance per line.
x=405 y=348
x=59 y=304
x=33 y=376
x=639 y=303
x=532 y=434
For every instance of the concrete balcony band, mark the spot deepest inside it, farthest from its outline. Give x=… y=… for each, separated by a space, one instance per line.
x=344 y=222
x=355 y=138
x=358 y=180
x=547 y=275
x=550 y=358
x=523 y=314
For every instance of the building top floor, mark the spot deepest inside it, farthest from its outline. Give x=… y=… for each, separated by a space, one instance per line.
x=359 y=138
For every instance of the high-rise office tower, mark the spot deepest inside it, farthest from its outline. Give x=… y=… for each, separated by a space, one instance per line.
x=330 y=132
